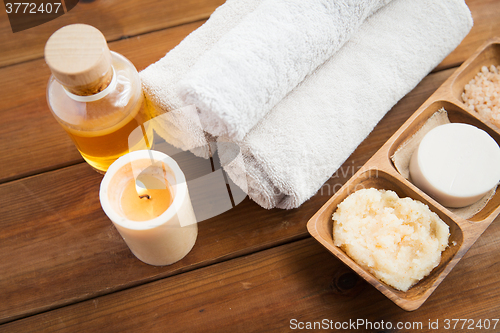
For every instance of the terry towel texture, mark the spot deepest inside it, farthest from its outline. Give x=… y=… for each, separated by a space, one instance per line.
x=264 y=57
x=179 y=123
x=307 y=135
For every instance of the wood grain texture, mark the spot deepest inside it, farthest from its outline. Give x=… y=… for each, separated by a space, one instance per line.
x=60 y=234
x=26 y=118
x=118 y=19
x=58 y=247
x=486 y=16
x=250 y=270
x=115 y=18
x=264 y=291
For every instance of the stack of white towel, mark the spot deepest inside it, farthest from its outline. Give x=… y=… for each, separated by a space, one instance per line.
x=289 y=88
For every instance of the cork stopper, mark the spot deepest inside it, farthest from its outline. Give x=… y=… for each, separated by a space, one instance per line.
x=79 y=58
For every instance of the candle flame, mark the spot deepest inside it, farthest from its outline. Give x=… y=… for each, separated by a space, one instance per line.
x=146 y=181
x=141 y=189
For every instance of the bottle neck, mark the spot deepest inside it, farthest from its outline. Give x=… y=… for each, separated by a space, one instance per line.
x=95 y=91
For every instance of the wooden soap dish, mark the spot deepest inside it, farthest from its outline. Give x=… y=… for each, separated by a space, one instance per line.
x=379 y=172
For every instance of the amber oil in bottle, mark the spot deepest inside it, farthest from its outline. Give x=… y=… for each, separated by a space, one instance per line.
x=96 y=96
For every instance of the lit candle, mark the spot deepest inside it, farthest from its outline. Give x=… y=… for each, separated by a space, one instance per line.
x=145 y=195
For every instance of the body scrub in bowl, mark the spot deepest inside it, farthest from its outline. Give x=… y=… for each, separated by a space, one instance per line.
x=398 y=240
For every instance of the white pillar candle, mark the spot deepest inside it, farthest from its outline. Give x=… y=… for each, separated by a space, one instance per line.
x=456 y=164
x=153 y=215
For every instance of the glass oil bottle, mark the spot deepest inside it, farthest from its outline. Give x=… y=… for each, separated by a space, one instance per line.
x=96 y=96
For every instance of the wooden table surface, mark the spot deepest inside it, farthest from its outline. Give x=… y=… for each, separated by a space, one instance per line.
x=64 y=267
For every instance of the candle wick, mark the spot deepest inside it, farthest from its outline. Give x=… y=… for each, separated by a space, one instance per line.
x=145 y=196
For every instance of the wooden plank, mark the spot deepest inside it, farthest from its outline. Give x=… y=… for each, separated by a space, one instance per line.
x=274 y=290
x=25 y=116
x=54 y=231
x=486 y=16
x=58 y=247
x=31 y=141
x=118 y=19
x=115 y=18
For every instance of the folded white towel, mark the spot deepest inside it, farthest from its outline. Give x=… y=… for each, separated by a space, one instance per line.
x=307 y=136
x=179 y=124
x=252 y=67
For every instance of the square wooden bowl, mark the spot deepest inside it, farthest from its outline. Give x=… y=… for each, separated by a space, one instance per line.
x=379 y=172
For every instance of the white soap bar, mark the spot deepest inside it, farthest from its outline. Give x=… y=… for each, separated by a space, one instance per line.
x=456 y=164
